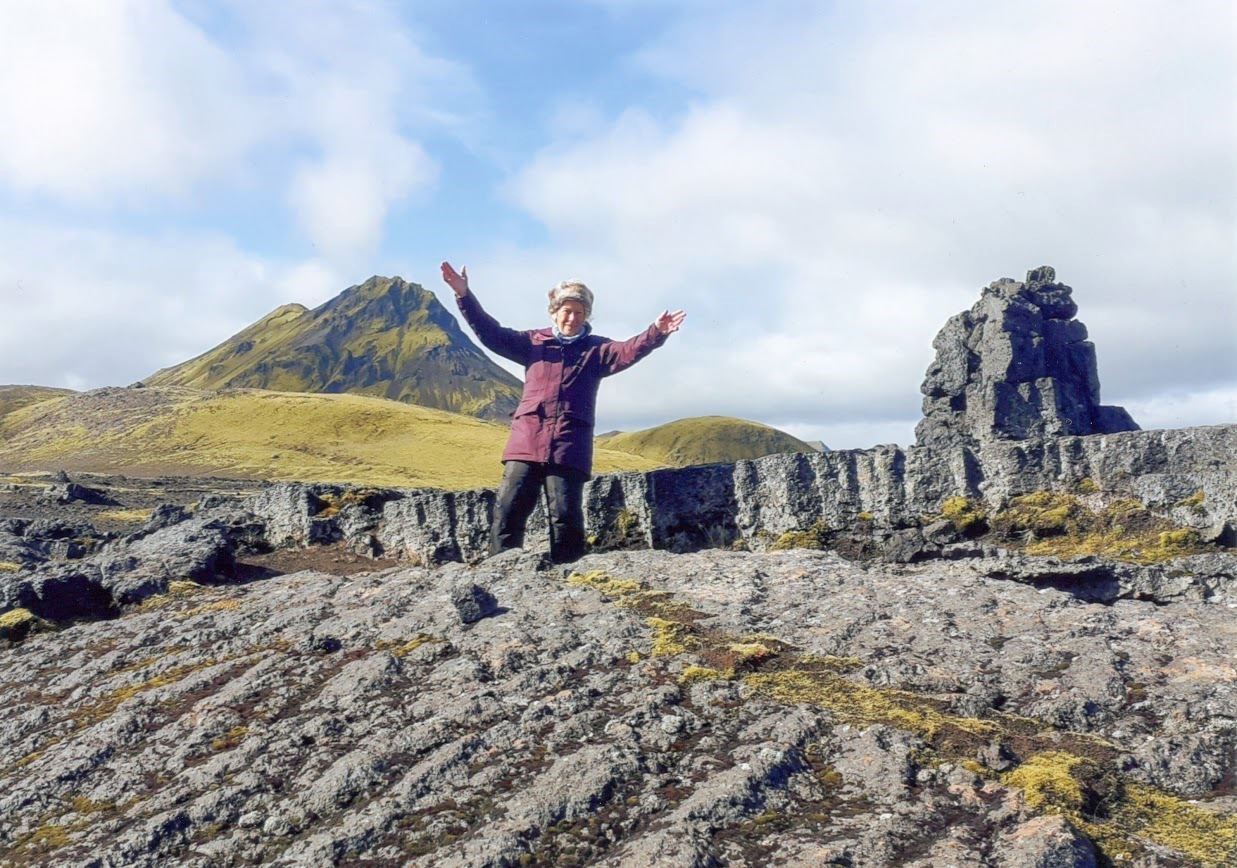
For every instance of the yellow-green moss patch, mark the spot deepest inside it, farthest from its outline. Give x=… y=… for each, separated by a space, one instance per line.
x=406 y=648
x=126 y=516
x=1206 y=837
x=48 y=837
x=17 y=624
x=670 y=637
x=83 y=805
x=230 y=739
x=626 y=521
x=696 y=673
x=1059 y=525
x=1196 y=500
x=9 y=567
x=605 y=584
x=216 y=606
x=1050 y=782
x=814 y=537
x=964 y=514
x=863 y=705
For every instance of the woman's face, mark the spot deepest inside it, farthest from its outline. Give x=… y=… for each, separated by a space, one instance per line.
x=569 y=318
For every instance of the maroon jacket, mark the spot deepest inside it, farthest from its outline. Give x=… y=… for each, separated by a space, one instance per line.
x=554 y=420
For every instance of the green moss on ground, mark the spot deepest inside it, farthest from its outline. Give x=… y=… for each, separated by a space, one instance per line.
x=815 y=537
x=1059 y=524
x=403 y=649
x=1051 y=782
x=230 y=739
x=1086 y=485
x=1072 y=774
x=967 y=516
x=124 y=516
x=17 y=624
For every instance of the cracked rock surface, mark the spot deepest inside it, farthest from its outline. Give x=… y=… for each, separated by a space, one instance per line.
x=646 y=708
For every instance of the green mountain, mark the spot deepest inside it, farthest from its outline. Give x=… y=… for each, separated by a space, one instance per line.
x=386 y=337
x=704 y=440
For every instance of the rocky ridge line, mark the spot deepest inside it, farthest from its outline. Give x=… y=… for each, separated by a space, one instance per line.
x=1184 y=474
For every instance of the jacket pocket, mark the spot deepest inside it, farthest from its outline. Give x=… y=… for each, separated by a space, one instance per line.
x=528 y=407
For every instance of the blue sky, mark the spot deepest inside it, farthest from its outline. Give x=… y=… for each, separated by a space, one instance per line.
x=820 y=185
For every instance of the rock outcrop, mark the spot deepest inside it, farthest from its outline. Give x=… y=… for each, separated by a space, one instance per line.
x=1017 y=365
x=1187 y=474
x=895 y=496
x=737 y=708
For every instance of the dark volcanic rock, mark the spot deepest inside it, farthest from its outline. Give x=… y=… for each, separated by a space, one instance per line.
x=1017 y=365
x=868 y=503
x=318 y=719
x=70 y=492
x=128 y=571
x=472 y=602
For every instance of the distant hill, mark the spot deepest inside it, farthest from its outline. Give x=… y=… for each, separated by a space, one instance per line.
x=253 y=434
x=15 y=397
x=386 y=337
x=704 y=440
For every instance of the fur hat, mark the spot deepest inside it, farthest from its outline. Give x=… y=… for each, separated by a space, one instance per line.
x=571 y=290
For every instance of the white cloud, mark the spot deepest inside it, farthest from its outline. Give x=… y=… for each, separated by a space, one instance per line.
x=102 y=307
x=342 y=201
x=850 y=175
x=134 y=103
x=116 y=99
x=1172 y=408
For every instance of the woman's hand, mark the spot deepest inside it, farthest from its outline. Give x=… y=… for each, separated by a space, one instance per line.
x=667 y=323
x=458 y=281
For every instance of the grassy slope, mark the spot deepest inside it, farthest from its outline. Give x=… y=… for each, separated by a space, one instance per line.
x=259 y=434
x=15 y=397
x=704 y=440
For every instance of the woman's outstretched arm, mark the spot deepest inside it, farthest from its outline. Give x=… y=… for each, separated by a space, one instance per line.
x=619 y=355
x=508 y=343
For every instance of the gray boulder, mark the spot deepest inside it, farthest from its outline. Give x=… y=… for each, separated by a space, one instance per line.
x=1017 y=365
x=472 y=602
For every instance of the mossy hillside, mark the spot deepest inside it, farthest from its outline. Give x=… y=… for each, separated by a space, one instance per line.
x=15 y=397
x=1073 y=774
x=704 y=440
x=385 y=338
x=254 y=434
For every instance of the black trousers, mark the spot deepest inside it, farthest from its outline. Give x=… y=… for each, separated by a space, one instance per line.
x=517 y=496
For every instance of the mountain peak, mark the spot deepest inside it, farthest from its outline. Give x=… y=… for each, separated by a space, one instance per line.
x=385 y=337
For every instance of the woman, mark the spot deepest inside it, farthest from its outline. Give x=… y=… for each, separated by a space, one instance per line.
x=551 y=442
